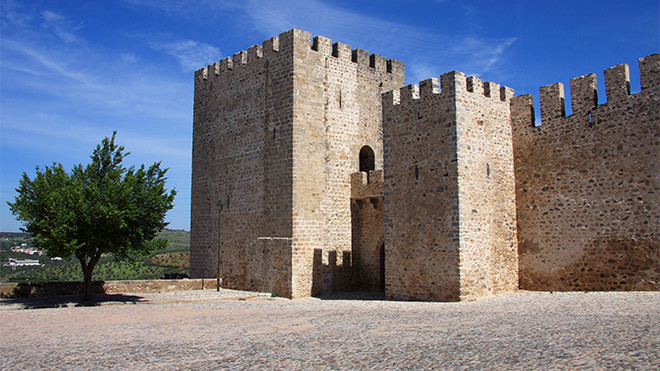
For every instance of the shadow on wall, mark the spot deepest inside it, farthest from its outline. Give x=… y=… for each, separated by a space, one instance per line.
x=332 y=277
x=333 y=280
x=610 y=264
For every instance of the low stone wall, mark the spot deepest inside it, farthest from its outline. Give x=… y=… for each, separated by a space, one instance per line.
x=40 y=289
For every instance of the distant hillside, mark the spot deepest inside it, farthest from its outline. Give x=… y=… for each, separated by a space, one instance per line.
x=175 y=258
x=179 y=239
x=8 y=239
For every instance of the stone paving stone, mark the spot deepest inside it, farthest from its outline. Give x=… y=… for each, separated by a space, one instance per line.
x=206 y=329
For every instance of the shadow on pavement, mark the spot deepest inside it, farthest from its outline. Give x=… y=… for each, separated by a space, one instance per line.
x=70 y=301
x=354 y=295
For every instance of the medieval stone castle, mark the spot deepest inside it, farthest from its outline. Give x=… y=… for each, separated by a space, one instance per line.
x=335 y=176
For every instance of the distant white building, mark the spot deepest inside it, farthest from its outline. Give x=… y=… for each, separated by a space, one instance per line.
x=27 y=250
x=20 y=263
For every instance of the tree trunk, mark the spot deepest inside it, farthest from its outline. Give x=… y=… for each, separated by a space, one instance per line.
x=88 y=268
x=87 y=274
x=88 y=283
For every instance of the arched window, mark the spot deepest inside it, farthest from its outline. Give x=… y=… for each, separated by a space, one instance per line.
x=367 y=159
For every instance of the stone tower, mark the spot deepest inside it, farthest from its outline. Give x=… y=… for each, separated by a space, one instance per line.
x=277 y=132
x=451 y=235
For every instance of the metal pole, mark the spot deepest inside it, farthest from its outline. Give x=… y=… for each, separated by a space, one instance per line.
x=219 y=205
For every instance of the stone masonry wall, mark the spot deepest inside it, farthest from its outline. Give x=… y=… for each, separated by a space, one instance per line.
x=242 y=157
x=587 y=184
x=421 y=223
x=337 y=110
x=277 y=133
x=367 y=216
x=449 y=191
x=486 y=188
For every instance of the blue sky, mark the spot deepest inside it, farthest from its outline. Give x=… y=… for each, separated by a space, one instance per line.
x=71 y=72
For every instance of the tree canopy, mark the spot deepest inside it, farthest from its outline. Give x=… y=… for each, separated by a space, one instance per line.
x=100 y=208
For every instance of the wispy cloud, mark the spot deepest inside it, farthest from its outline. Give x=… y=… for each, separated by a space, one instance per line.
x=128 y=57
x=190 y=8
x=90 y=77
x=61 y=26
x=11 y=16
x=426 y=52
x=190 y=54
x=62 y=94
x=44 y=59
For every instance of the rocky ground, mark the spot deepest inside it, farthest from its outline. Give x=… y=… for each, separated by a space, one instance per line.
x=239 y=330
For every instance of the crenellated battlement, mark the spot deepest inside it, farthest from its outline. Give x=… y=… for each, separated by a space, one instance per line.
x=649 y=71
x=362 y=57
x=450 y=84
x=476 y=200
x=318 y=44
x=586 y=183
x=254 y=54
x=242 y=58
x=364 y=185
x=522 y=110
x=584 y=93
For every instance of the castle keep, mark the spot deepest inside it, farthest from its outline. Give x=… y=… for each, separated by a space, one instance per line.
x=335 y=176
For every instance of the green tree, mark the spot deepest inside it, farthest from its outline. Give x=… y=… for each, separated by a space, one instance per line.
x=101 y=208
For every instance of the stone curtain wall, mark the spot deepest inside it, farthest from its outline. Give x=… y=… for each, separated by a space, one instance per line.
x=587 y=184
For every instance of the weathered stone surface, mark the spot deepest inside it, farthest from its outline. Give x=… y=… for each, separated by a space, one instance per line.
x=587 y=187
x=367 y=214
x=276 y=140
x=449 y=191
x=334 y=176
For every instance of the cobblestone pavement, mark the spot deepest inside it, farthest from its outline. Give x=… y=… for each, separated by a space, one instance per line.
x=236 y=330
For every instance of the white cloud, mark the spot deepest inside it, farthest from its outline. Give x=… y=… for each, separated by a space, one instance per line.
x=11 y=16
x=130 y=58
x=472 y=55
x=62 y=27
x=66 y=75
x=190 y=54
x=427 y=53
x=61 y=95
x=194 y=9
x=45 y=59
